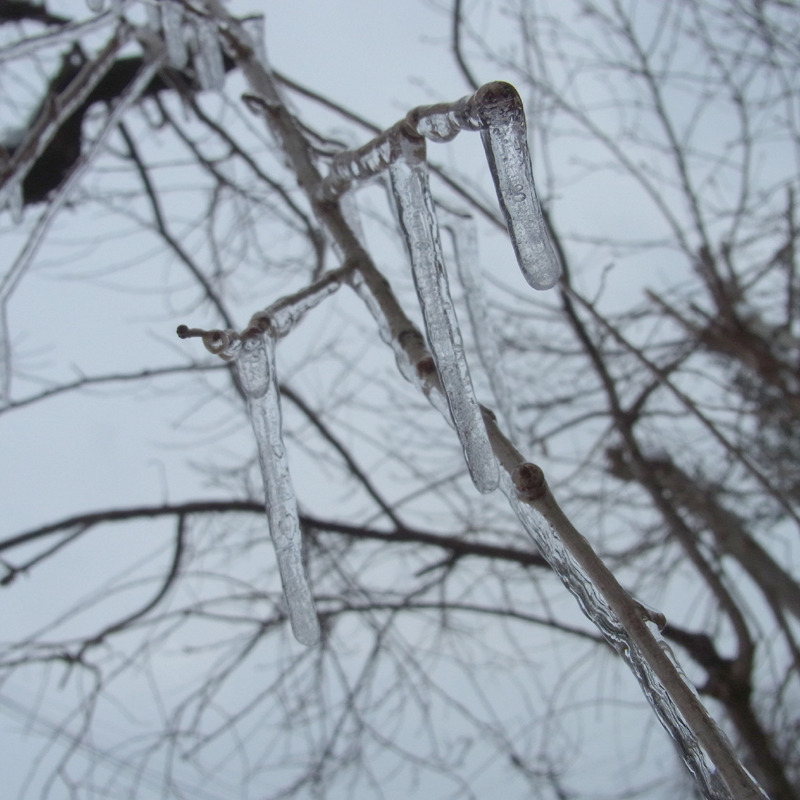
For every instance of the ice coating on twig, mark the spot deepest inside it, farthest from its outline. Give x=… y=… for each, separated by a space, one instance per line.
x=394 y=327
x=208 y=56
x=362 y=164
x=48 y=123
x=465 y=246
x=714 y=765
x=284 y=314
x=277 y=319
x=421 y=232
x=255 y=366
x=65 y=35
x=9 y=280
x=254 y=28
x=596 y=608
x=505 y=141
x=15 y=201
x=172 y=27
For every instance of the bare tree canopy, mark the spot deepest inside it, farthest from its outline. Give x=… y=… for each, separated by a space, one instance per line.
x=306 y=548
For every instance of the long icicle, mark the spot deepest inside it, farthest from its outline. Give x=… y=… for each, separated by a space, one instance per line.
x=465 y=249
x=415 y=212
x=255 y=366
x=669 y=683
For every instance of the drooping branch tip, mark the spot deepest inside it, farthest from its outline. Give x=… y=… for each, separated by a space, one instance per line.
x=529 y=482
x=219 y=343
x=185 y=332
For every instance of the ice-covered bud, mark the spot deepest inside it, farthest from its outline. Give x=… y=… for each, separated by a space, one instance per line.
x=529 y=481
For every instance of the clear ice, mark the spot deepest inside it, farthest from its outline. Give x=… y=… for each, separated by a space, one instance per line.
x=172 y=27
x=505 y=141
x=465 y=246
x=595 y=605
x=256 y=369
x=421 y=232
x=497 y=111
x=208 y=56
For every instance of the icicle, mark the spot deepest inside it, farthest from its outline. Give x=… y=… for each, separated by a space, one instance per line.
x=465 y=245
x=256 y=369
x=95 y=5
x=496 y=111
x=208 y=56
x=505 y=141
x=418 y=223
x=172 y=26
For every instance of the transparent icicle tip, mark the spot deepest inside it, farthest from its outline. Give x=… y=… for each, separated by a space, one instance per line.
x=255 y=365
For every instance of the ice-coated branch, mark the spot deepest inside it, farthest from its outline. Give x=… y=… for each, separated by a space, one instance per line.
x=255 y=366
x=496 y=111
x=705 y=750
x=66 y=34
x=25 y=257
x=625 y=623
x=417 y=219
x=53 y=116
x=278 y=318
x=9 y=280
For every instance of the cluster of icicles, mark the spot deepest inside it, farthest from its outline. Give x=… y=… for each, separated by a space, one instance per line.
x=496 y=111
x=188 y=36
